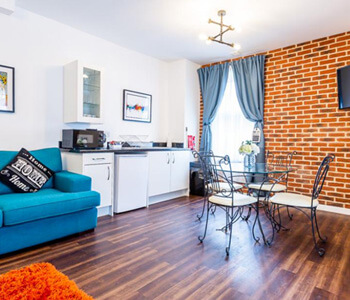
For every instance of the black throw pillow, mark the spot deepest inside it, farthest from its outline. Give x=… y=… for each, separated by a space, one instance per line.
x=25 y=174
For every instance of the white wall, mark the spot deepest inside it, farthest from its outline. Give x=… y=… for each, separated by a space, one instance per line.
x=183 y=100
x=38 y=48
x=192 y=100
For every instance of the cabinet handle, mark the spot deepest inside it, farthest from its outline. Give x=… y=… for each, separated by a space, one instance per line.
x=168 y=158
x=173 y=158
x=109 y=172
x=98 y=158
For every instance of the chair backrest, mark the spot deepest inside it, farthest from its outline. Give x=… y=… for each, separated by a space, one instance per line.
x=321 y=175
x=203 y=158
x=280 y=158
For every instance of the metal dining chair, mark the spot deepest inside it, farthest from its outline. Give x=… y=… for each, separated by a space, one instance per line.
x=231 y=200
x=302 y=202
x=283 y=159
x=214 y=186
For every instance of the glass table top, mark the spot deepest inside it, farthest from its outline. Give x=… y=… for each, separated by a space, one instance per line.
x=259 y=168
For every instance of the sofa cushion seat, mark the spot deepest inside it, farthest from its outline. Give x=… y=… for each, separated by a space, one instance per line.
x=21 y=208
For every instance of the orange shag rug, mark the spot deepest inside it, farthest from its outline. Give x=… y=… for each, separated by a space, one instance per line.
x=39 y=282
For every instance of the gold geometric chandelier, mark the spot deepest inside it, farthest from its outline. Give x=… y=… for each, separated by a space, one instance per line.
x=223 y=29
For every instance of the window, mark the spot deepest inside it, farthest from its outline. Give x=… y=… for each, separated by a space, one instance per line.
x=230 y=127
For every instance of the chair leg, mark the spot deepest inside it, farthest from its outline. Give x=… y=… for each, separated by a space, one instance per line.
x=323 y=239
x=276 y=225
x=199 y=217
x=201 y=238
x=229 y=242
x=253 y=228
x=289 y=214
x=246 y=218
x=279 y=218
x=213 y=210
x=320 y=251
x=269 y=212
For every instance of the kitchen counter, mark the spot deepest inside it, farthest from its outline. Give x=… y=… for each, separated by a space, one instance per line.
x=125 y=150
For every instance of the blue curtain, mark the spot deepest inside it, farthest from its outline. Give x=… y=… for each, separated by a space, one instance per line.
x=212 y=82
x=248 y=75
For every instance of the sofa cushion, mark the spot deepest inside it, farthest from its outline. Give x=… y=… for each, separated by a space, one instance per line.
x=51 y=157
x=25 y=174
x=21 y=208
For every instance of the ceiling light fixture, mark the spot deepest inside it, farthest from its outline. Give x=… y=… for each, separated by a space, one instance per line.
x=223 y=29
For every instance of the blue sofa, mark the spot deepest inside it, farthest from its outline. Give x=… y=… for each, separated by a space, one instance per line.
x=64 y=206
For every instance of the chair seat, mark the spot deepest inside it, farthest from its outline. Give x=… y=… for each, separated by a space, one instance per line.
x=224 y=186
x=268 y=187
x=238 y=200
x=292 y=199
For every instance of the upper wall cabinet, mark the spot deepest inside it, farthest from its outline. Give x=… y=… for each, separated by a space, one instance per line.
x=82 y=93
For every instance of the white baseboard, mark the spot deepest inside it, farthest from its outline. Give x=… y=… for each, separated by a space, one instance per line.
x=103 y=211
x=334 y=209
x=168 y=196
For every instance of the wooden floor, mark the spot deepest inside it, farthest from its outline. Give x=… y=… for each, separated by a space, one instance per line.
x=154 y=254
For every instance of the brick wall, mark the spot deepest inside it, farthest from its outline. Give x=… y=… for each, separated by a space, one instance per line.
x=301 y=113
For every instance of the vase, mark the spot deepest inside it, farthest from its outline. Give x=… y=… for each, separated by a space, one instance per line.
x=249 y=160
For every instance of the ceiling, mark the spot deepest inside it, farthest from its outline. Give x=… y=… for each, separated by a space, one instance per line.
x=170 y=29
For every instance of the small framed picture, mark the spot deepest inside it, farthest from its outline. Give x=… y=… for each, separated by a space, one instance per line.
x=137 y=107
x=7 y=89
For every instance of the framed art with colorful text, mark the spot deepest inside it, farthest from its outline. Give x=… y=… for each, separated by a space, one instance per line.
x=137 y=106
x=7 y=89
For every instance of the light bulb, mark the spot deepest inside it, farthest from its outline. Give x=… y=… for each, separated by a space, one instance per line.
x=237 y=47
x=203 y=36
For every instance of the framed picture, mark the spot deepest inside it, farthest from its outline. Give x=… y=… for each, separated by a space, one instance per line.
x=137 y=106
x=7 y=89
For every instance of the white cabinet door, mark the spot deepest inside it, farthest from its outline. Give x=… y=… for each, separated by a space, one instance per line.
x=131 y=182
x=101 y=176
x=82 y=93
x=180 y=165
x=159 y=173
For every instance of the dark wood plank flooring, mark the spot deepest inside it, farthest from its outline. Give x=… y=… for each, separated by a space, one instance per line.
x=154 y=254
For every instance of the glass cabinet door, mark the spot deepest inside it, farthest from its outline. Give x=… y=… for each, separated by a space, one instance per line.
x=91 y=93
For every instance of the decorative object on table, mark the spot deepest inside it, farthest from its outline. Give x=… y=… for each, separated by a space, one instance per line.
x=137 y=106
x=249 y=150
x=7 y=89
x=39 y=281
x=25 y=174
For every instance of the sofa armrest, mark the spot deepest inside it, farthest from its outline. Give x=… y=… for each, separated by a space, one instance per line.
x=71 y=182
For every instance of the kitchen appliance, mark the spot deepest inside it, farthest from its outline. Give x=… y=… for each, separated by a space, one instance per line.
x=82 y=138
x=130 y=181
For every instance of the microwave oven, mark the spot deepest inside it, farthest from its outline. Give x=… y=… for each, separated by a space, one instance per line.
x=82 y=139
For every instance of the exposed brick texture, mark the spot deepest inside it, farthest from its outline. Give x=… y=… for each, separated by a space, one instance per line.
x=301 y=113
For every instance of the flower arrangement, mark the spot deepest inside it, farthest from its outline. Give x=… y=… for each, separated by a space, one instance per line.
x=248 y=147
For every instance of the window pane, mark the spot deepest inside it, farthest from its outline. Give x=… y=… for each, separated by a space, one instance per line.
x=230 y=127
